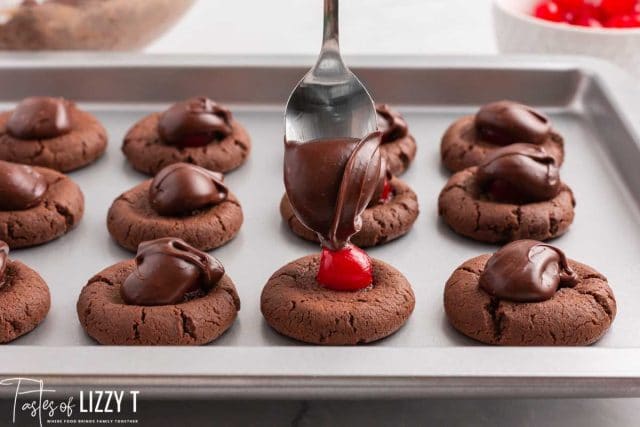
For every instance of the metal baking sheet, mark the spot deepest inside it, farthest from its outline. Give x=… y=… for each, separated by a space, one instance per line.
x=596 y=108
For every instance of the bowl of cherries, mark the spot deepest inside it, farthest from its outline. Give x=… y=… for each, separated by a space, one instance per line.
x=608 y=29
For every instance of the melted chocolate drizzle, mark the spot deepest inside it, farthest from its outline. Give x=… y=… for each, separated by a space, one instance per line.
x=183 y=188
x=330 y=182
x=507 y=122
x=169 y=271
x=21 y=186
x=385 y=176
x=39 y=117
x=194 y=118
x=527 y=271
x=390 y=123
x=527 y=172
x=4 y=260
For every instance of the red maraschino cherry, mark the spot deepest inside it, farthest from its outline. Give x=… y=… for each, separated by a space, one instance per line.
x=624 y=21
x=549 y=11
x=586 y=21
x=570 y=5
x=613 y=8
x=387 y=192
x=587 y=15
x=347 y=269
x=590 y=13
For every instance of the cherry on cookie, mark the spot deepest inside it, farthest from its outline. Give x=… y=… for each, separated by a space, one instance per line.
x=347 y=269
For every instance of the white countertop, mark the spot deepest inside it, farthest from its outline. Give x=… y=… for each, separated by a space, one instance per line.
x=367 y=27
x=286 y=27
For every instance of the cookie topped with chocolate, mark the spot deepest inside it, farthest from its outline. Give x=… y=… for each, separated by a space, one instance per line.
x=21 y=186
x=529 y=293
x=196 y=130
x=390 y=123
x=519 y=174
x=182 y=200
x=330 y=184
x=398 y=147
x=40 y=117
x=470 y=139
x=24 y=297
x=515 y=193
x=170 y=271
x=390 y=214
x=506 y=122
x=171 y=293
x=526 y=271
x=51 y=132
x=37 y=204
x=194 y=122
x=182 y=188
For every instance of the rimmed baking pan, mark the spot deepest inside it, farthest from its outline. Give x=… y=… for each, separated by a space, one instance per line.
x=595 y=107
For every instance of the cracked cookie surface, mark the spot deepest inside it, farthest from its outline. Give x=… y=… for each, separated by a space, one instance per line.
x=461 y=146
x=108 y=320
x=131 y=220
x=380 y=223
x=467 y=212
x=24 y=301
x=578 y=315
x=295 y=305
x=399 y=154
x=86 y=142
x=148 y=154
x=60 y=210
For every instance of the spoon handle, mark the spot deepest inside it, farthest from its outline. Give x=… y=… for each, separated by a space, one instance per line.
x=330 y=36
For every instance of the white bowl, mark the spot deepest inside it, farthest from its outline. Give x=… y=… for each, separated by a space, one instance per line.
x=517 y=31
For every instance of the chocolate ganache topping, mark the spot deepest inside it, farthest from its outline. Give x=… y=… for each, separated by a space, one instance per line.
x=195 y=121
x=330 y=182
x=383 y=180
x=4 y=260
x=519 y=173
x=182 y=188
x=526 y=271
x=21 y=187
x=390 y=123
x=40 y=117
x=170 y=271
x=507 y=122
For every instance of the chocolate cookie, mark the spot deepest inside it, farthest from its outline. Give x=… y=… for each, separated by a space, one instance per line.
x=36 y=204
x=381 y=222
x=51 y=132
x=398 y=147
x=196 y=131
x=576 y=315
x=157 y=299
x=295 y=305
x=183 y=201
x=465 y=207
x=468 y=140
x=24 y=297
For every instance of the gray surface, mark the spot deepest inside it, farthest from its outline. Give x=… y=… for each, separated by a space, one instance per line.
x=436 y=412
x=426 y=357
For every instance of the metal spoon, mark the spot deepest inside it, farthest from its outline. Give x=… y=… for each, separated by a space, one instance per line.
x=330 y=101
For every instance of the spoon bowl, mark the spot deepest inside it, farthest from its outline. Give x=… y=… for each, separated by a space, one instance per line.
x=329 y=101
